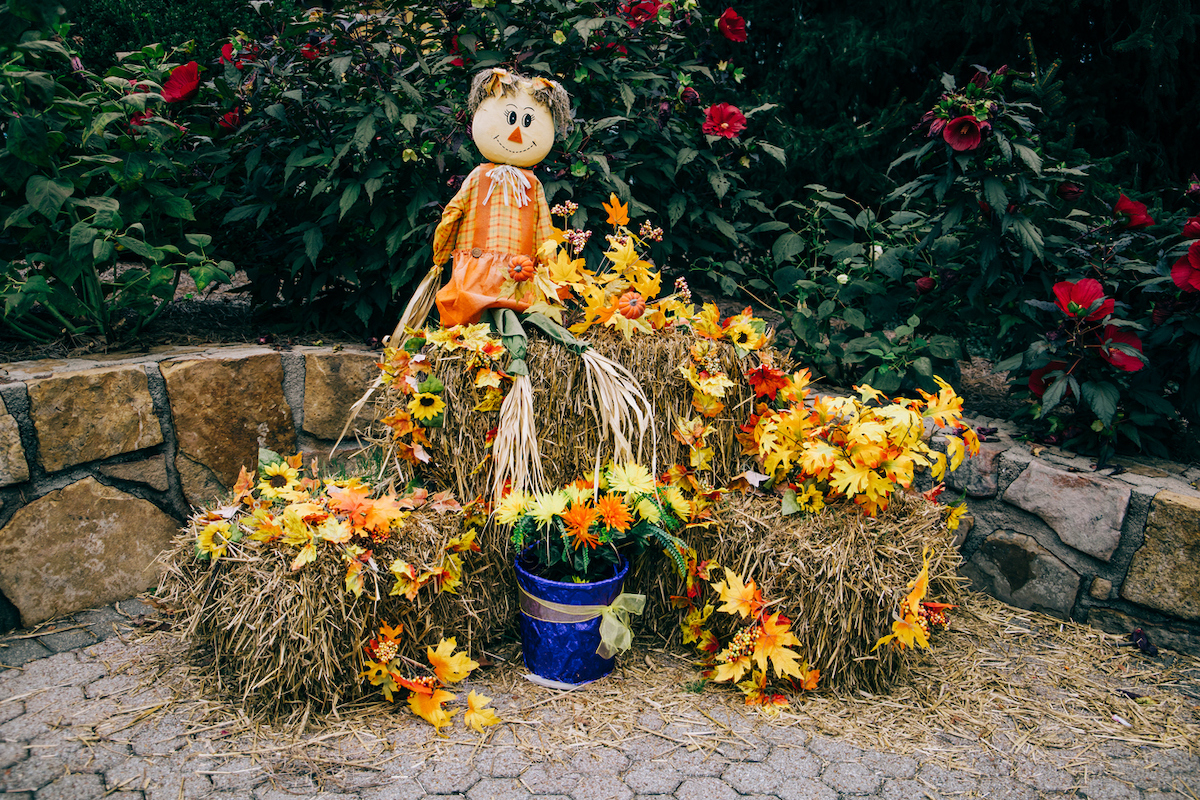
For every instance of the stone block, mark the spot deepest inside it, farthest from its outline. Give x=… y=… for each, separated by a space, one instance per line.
x=150 y=471
x=1100 y=589
x=92 y=414
x=978 y=475
x=226 y=407
x=1165 y=571
x=1173 y=637
x=13 y=466
x=1016 y=569
x=200 y=486
x=79 y=547
x=332 y=383
x=1086 y=512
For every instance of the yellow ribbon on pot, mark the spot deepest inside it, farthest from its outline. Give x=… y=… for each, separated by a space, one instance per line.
x=614 y=617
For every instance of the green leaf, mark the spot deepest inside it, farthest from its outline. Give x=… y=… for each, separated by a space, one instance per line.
x=775 y=152
x=855 y=318
x=1029 y=235
x=349 y=198
x=676 y=208
x=137 y=246
x=627 y=97
x=82 y=236
x=48 y=195
x=314 y=241
x=891 y=264
x=685 y=156
x=994 y=194
x=787 y=247
x=923 y=366
x=1029 y=156
x=409 y=121
x=1054 y=393
x=177 y=207
x=790 y=506
x=364 y=132
x=1102 y=397
x=340 y=65
x=586 y=27
x=944 y=347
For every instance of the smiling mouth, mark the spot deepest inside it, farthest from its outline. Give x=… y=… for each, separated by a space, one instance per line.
x=532 y=144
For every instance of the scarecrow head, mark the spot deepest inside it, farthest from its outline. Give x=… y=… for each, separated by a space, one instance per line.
x=514 y=118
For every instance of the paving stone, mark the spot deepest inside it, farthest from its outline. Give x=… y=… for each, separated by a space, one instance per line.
x=1105 y=788
x=73 y=787
x=1007 y=789
x=273 y=793
x=12 y=753
x=653 y=777
x=97 y=756
x=550 y=778
x=705 y=789
x=1157 y=771
x=600 y=761
x=498 y=789
x=23 y=728
x=161 y=779
x=947 y=781
x=646 y=748
x=889 y=765
x=396 y=787
x=750 y=778
x=752 y=750
x=33 y=773
x=794 y=762
x=19 y=652
x=834 y=749
x=110 y=686
x=237 y=773
x=100 y=621
x=901 y=789
x=68 y=640
x=699 y=763
x=163 y=735
x=601 y=787
x=805 y=789
x=1043 y=777
x=851 y=778
x=503 y=762
x=11 y=710
x=447 y=777
x=56 y=701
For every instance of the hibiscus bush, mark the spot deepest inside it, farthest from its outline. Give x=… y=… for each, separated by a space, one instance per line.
x=99 y=199
x=347 y=133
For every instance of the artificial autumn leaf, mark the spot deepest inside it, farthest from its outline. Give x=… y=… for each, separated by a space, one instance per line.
x=307 y=555
x=766 y=380
x=448 y=576
x=354 y=577
x=907 y=632
x=708 y=322
x=737 y=597
x=382 y=513
x=774 y=639
x=444 y=501
x=706 y=404
x=808 y=681
x=243 y=487
x=700 y=457
x=379 y=675
x=618 y=214
x=919 y=588
x=693 y=623
x=406 y=580
x=448 y=666
x=732 y=671
x=944 y=407
x=478 y=717
x=756 y=693
x=429 y=707
x=465 y=543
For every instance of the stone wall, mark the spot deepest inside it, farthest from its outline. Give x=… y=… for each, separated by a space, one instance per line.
x=101 y=460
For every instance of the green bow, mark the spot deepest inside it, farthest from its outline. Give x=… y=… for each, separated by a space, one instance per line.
x=614 y=617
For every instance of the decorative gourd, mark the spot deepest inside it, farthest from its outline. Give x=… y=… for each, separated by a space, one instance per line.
x=521 y=268
x=631 y=305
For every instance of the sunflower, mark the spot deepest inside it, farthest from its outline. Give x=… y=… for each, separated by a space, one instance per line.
x=213 y=539
x=425 y=406
x=743 y=336
x=279 y=481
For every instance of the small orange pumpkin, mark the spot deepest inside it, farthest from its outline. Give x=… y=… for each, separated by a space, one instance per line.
x=631 y=305
x=521 y=268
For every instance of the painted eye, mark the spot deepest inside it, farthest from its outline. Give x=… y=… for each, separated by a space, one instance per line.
x=527 y=120
x=512 y=118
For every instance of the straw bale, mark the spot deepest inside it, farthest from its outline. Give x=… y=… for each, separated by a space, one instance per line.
x=569 y=436
x=287 y=644
x=838 y=575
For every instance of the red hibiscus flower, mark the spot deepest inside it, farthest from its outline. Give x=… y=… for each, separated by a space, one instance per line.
x=1185 y=272
x=963 y=133
x=238 y=57
x=724 y=120
x=231 y=120
x=308 y=52
x=183 y=83
x=1037 y=378
x=1134 y=213
x=454 y=51
x=1070 y=191
x=1074 y=299
x=139 y=119
x=732 y=26
x=637 y=14
x=1191 y=229
x=1119 y=358
x=925 y=284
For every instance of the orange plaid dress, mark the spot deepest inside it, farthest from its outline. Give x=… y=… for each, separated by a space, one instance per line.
x=483 y=227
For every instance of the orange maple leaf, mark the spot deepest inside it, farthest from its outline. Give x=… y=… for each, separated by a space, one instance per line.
x=618 y=214
x=429 y=707
x=382 y=513
x=447 y=665
x=351 y=500
x=774 y=639
x=244 y=485
x=737 y=597
x=767 y=380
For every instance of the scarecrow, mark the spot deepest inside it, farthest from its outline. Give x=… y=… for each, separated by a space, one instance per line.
x=493 y=231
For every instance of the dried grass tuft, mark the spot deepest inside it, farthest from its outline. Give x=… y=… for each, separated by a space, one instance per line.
x=289 y=644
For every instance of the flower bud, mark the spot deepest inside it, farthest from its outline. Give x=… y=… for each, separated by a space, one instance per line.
x=1193 y=189
x=1070 y=191
x=843 y=279
x=925 y=284
x=690 y=97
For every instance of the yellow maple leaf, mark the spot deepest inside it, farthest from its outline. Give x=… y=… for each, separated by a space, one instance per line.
x=849 y=479
x=732 y=671
x=448 y=666
x=429 y=707
x=693 y=623
x=737 y=597
x=307 y=555
x=907 y=633
x=774 y=639
x=956 y=451
x=706 y=404
x=918 y=588
x=477 y=716
x=943 y=408
x=707 y=322
x=646 y=282
x=379 y=675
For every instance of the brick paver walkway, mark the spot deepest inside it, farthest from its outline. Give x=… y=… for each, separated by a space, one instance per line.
x=85 y=714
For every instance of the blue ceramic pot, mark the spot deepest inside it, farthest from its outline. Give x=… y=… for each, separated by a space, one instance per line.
x=565 y=651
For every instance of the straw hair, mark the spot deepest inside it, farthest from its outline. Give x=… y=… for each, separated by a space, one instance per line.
x=515 y=451
x=618 y=404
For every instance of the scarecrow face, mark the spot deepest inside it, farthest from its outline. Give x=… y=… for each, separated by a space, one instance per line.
x=513 y=129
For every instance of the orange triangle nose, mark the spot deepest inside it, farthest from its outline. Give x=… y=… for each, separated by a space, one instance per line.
x=515 y=136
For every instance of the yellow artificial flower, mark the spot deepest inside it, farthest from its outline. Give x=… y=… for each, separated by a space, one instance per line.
x=279 y=481
x=510 y=509
x=213 y=539
x=545 y=506
x=631 y=478
x=426 y=406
